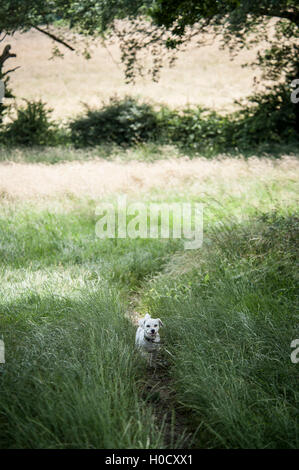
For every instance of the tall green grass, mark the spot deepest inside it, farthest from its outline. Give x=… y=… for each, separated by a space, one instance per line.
x=72 y=377
x=70 y=380
x=71 y=374
x=231 y=315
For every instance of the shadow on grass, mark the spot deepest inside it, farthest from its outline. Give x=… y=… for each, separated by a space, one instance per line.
x=70 y=376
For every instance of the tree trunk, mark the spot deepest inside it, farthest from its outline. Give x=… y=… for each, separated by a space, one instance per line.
x=6 y=54
x=297 y=118
x=4 y=77
x=296 y=105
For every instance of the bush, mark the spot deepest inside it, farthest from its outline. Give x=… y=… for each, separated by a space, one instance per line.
x=193 y=128
x=124 y=122
x=266 y=120
x=269 y=117
x=32 y=126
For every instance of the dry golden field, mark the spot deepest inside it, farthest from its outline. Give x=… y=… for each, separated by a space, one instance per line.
x=233 y=177
x=202 y=75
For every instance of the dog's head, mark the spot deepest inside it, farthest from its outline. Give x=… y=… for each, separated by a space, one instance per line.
x=150 y=325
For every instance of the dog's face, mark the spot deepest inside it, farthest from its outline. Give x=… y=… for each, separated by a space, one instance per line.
x=150 y=325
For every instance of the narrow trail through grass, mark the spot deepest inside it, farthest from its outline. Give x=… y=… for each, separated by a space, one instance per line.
x=72 y=377
x=231 y=315
x=157 y=389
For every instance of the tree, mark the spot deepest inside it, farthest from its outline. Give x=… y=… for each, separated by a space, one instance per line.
x=87 y=17
x=243 y=23
x=4 y=77
x=91 y=19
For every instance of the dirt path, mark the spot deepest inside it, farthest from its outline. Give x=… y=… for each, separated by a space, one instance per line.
x=158 y=390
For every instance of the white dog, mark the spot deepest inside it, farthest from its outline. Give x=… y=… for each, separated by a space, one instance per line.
x=147 y=336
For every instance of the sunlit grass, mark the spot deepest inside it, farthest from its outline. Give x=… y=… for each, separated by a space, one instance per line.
x=71 y=377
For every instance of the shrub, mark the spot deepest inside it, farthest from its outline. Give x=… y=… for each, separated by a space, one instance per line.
x=266 y=120
x=268 y=117
x=32 y=126
x=194 y=128
x=124 y=122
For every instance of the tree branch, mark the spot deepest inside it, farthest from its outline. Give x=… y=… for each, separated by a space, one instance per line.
x=4 y=36
x=288 y=15
x=52 y=36
x=6 y=55
x=10 y=71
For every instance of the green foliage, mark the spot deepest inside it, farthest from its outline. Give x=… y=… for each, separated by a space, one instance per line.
x=32 y=126
x=124 y=122
x=182 y=13
x=239 y=24
x=266 y=119
x=242 y=24
x=87 y=16
x=269 y=117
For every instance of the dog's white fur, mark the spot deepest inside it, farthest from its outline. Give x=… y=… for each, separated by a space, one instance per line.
x=147 y=336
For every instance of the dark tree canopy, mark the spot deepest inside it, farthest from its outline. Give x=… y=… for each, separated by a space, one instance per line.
x=88 y=16
x=240 y=23
x=167 y=23
x=243 y=23
x=238 y=13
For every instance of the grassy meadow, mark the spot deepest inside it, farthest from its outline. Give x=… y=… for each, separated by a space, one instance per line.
x=69 y=300
x=72 y=377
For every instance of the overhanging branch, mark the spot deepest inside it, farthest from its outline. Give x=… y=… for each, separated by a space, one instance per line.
x=10 y=71
x=55 y=38
x=288 y=15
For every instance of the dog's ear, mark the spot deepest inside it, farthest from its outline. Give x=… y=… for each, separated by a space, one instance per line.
x=160 y=322
x=142 y=321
